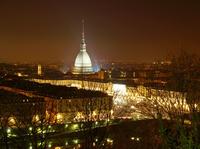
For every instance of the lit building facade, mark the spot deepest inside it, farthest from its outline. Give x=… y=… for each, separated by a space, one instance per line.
x=83 y=64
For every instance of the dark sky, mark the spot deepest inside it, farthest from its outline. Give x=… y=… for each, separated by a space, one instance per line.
x=126 y=30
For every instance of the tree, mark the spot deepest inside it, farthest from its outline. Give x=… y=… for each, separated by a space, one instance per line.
x=180 y=95
x=178 y=100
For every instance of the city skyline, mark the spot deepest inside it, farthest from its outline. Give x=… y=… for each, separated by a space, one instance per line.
x=137 y=31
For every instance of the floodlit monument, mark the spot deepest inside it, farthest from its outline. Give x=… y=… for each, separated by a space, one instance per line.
x=83 y=64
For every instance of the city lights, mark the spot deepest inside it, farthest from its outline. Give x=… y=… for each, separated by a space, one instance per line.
x=66 y=143
x=12 y=121
x=76 y=141
x=66 y=125
x=30 y=128
x=75 y=126
x=119 y=91
x=134 y=86
x=109 y=140
x=50 y=145
x=59 y=116
x=8 y=130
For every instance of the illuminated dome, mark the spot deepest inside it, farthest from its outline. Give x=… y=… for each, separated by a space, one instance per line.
x=83 y=64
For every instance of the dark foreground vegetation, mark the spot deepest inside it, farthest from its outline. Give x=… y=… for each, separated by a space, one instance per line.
x=119 y=134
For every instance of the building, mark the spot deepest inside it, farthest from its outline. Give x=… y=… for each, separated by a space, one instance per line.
x=39 y=70
x=81 y=108
x=18 y=108
x=83 y=64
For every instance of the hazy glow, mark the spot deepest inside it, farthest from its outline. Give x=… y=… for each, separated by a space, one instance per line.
x=59 y=117
x=119 y=92
x=119 y=88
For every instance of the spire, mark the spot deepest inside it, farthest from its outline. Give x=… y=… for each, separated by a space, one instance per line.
x=83 y=44
x=83 y=21
x=83 y=32
x=83 y=64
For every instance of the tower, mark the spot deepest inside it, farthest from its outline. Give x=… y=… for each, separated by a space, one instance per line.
x=83 y=64
x=39 y=70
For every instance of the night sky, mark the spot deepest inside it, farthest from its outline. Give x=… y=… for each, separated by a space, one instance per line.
x=125 y=30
